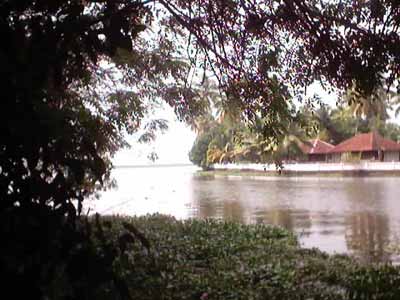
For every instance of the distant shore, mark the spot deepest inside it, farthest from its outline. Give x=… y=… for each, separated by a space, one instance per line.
x=172 y=165
x=255 y=174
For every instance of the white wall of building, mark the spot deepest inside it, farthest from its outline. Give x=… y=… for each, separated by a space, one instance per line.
x=316 y=167
x=391 y=156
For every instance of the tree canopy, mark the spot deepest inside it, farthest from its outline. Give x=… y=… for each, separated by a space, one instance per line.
x=78 y=74
x=225 y=142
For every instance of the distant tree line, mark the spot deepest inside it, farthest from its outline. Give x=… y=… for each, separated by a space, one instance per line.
x=222 y=138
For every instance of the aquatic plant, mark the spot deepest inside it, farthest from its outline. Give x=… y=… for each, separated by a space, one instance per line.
x=211 y=259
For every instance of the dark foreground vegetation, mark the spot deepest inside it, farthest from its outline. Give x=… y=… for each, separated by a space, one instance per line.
x=158 y=257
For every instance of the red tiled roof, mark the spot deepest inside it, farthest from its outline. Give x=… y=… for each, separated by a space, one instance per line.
x=366 y=142
x=316 y=147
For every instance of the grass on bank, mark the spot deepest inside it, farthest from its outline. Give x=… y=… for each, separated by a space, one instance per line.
x=205 y=259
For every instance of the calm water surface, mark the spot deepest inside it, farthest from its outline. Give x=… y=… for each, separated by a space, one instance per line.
x=360 y=216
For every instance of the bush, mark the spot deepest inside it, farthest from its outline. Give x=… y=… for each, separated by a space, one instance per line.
x=206 y=259
x=158 y=257
x=198 y=153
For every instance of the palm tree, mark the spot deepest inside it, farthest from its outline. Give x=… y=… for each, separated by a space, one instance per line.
x=202 y=123
x=218 y=108
x=395 y=101
x=214 y=155
x=256 y=146
x=373 y=107
x=208 y=94
x=327 y=129
x=228 y=110
x=289 y=147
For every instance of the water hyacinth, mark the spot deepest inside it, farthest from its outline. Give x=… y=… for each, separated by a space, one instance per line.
x=210 y=259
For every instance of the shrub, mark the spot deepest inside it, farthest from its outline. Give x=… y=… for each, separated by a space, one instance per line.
x=209 y=259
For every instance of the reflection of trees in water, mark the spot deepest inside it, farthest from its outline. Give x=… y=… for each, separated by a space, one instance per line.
x=367 y=232
x=293 y=220
x=206 y=208
x=279 y=217
x=230 y=200
x=217 y=209
x=367 y=236
x=218 y=199
x=232 y=210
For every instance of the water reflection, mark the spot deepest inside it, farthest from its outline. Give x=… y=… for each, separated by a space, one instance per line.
x=208 y=201
x=367 y=236
x=360 y=216
x=367 y=224
x=336 y=215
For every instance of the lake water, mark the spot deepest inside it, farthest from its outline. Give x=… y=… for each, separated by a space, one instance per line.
x=359 y=216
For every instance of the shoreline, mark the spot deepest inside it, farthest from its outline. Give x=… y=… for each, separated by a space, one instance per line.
x=257 y=174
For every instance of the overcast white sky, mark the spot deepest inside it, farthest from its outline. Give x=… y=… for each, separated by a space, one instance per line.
x=171 y=147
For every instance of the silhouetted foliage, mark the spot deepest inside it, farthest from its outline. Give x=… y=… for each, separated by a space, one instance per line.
x=76 y=75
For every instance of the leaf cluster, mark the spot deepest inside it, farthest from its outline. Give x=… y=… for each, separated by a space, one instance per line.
x=210 y=259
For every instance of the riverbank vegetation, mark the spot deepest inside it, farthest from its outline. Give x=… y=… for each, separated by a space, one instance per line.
x=158 y=257
x=224 y=137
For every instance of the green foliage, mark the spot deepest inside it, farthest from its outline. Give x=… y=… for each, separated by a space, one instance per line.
x=77 y=75
x=59 y=260
x=198 y=153
x=248 y=142
x=341 y=123
x=391 y=131
x=239 y=134
x=206 y=259
x=374 y=106
x=346 y=124
x=214 y=137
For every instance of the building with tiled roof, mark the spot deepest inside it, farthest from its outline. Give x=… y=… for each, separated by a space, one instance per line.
x=367 y=146
x=317 y=150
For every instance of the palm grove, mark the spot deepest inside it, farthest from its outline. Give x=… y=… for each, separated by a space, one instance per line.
x=78 y=75
x=223 y=136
